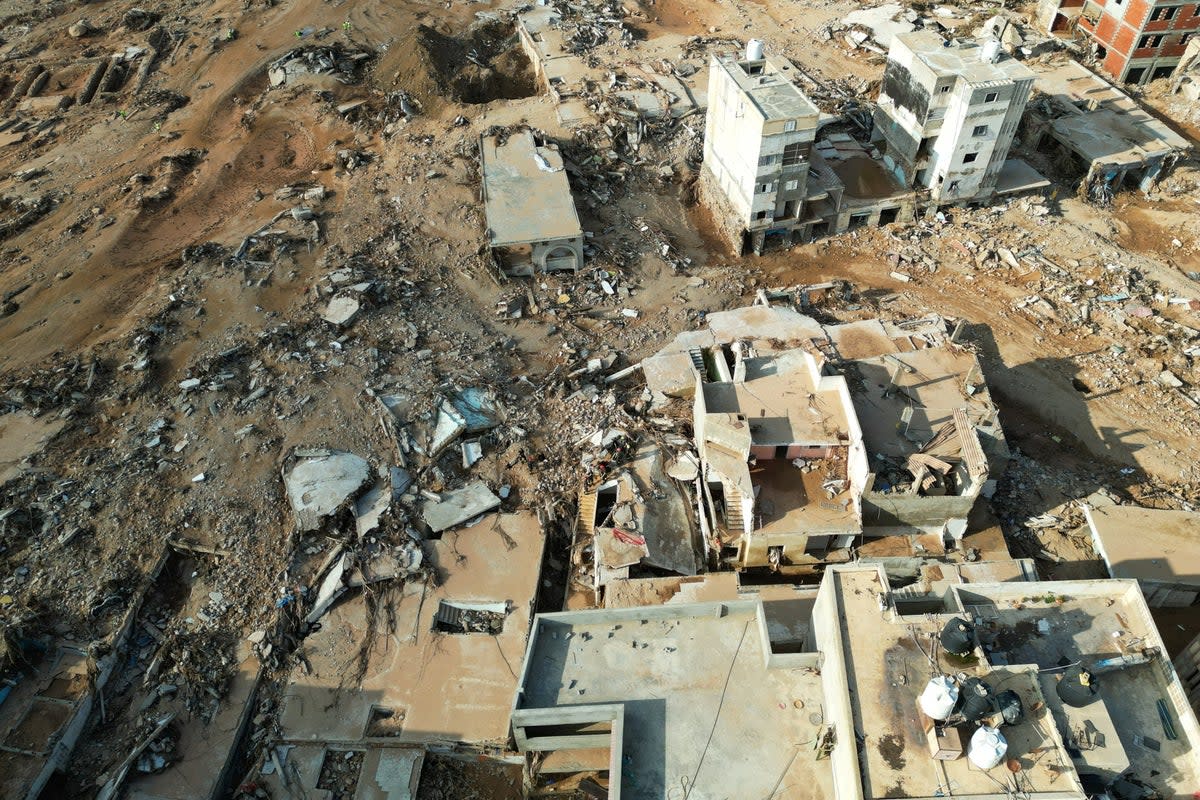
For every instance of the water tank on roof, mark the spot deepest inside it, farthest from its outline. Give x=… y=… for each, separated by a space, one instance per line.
x=1011 y=709
x=958 y=637
x=976 y=699
x=754 y=50
x=987 y=748
x=939 y=698
x=1077 y=687
x=989 y=51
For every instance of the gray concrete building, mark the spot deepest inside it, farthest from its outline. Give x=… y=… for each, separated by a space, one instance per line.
x=757 y=145
x=532 y=225
x=947 y=115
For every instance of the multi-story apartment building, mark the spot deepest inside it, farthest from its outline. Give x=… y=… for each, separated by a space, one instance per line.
x=948 y=112
x=758 y=139
x=1135 y=41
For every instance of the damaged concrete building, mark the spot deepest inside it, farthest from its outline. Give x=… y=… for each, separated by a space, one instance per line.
x=532 y=225
x=417 y=666
x=767 y=176
x=1103 y=134
x=870 y=689
x=947 y=115
x=1135 y=42
x=813 y=438
x=758 y=142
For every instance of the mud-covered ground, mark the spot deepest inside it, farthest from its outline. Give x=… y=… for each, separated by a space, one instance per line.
x=162 y=347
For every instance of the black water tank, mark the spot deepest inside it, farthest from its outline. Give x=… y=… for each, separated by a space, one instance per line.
x=975 y=699
x=958 y=637
x=1077 y=687
x=1009 y=704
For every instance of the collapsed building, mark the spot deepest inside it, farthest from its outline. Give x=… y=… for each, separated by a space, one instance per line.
x=1134 y=42
x=1099 y=132
x=956 y=685
x=810 y=439
x=947 y=115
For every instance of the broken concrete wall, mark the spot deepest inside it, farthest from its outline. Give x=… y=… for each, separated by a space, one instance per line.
x=886 y=514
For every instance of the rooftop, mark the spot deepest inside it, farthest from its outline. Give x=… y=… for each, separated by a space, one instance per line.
x=526 y=194
x=768 y=83
x=961 y=58
x=930 y=385
x=887 y=667
x=1026 y=633
x=704 y=714
x=1146 y=543
x=782 y=401
x=1102 y=123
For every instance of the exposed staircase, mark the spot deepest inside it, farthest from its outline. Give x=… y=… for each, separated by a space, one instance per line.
x=585 y=522
x=697 y=357
x=735 y=522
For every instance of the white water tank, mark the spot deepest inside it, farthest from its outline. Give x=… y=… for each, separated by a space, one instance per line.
x=754 y=50
x=989 y=51
x=939 y=698
x=987 y=748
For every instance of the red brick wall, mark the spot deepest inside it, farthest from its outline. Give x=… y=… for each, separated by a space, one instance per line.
x=1114 y=63
x=1138 y=13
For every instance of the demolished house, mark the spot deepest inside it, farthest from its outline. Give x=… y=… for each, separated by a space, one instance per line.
x=810 y=437
x=1046 y=691
x=1108 y=138
x=947 y=115
x=417 y=665
x=532 y=225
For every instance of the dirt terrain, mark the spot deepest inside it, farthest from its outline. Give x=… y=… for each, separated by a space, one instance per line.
x=162 y=346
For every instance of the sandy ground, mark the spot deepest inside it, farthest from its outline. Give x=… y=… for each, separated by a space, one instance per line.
x=114 y=296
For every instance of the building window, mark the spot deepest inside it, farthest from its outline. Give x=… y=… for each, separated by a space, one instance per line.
x=945 y=89
x=763 y=188
x=980 y=130
x=760 y=215
x=1150 y=41
x=969 y=157
x=790 y=125
x=1163 y=12
x=766 y=161
x=791 y=185
x=991 y=97
x=793 y=154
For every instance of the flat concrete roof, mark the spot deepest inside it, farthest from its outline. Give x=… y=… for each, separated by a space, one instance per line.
x=527 y=197
x=960 y=57
x=443 y=687
x=1147 y=543
x=1025 y=634
x=782 y=402
x=704 y=716
x=887 y=667
x=771 y=88
x=1102 y=123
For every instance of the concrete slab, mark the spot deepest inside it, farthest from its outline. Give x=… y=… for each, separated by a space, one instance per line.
x=459 y=506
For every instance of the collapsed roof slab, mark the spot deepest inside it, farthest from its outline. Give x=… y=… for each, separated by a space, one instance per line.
x=1101 y=124
x=439 y=687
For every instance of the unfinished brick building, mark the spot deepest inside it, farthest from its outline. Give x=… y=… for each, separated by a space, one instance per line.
x=1135 y=41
